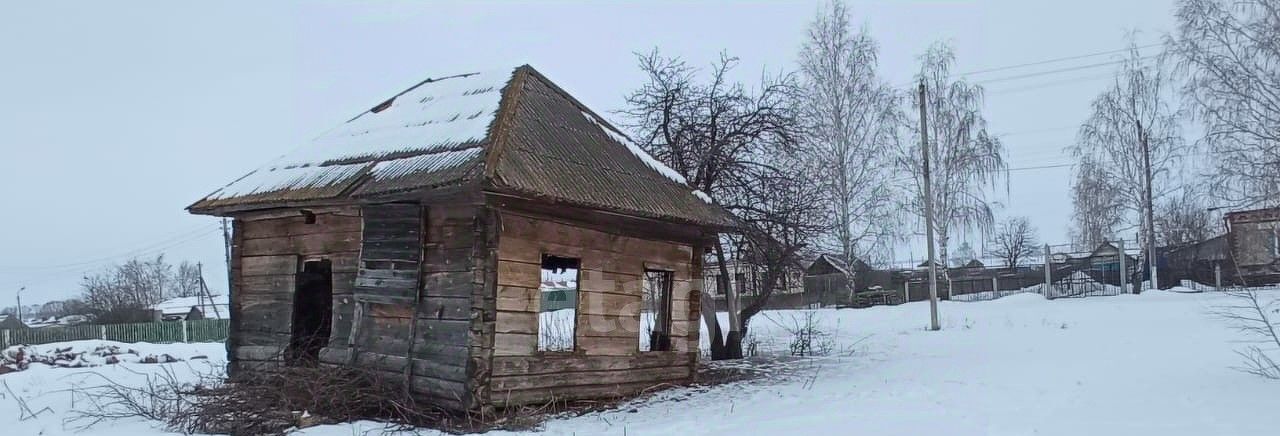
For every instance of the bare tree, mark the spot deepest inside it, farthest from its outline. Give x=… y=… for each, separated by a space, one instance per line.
x=1253 y=315
x=121 y=293
x=1183 y=219
x=1014 y=240
x=186 y=283
x=1231 y=52
x=1132 y=141
x=966 y=160
x=783 y=213
x=849 y=116
x=721 y=138
x=1096 y=216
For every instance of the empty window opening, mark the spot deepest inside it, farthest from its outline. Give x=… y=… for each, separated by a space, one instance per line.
x=312 y=313
x=655 y=312
x=557 y=317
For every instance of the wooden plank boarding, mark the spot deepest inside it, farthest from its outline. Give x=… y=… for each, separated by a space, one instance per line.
x=389 y=269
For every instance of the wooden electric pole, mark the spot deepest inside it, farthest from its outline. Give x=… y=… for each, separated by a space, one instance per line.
x=204 y=293
x=226 y=248
x=20 y=303
x=1149 y=245
x=928 y=211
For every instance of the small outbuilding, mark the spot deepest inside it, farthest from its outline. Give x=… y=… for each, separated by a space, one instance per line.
x=11 y=322
x=1253 y=245
x=413 y=240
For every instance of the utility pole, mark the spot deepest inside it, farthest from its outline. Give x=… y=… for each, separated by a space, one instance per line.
x=1148 y=214
x=1124 y=268
x=204 y=293
x=928 y=211
x=226 y=247
x=20 y=303
x=1048 y=273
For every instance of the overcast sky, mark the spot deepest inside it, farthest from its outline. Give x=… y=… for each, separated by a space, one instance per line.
x=114 y=116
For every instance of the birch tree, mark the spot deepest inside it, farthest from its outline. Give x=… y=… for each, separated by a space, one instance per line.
x=1134 y=133
x=849 y=115
x=965 y=159
x=1231 y=52
x=1096 y=215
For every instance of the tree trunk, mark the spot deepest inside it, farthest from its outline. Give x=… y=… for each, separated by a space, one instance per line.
x=733 y=340
x=714 y=335
x=943 y=262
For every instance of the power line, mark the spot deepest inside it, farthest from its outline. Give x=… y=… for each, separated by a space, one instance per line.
x=1056 y=60
x=51 y=275
x=131 y=253
x=1045 y=62
x=1060 y=70
x=1044 y=85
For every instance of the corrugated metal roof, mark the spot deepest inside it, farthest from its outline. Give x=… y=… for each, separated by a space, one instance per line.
x=558 y=148
x=544 y=144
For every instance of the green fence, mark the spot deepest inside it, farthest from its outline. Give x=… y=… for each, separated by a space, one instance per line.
x=205 y=330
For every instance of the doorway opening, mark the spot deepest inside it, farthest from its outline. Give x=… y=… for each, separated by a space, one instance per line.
x=312 y=313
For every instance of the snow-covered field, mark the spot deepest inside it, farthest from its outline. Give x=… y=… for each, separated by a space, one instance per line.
x=1157 y=364
x=46 y=391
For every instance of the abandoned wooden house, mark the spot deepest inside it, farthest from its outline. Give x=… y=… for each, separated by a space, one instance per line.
x=413 y=239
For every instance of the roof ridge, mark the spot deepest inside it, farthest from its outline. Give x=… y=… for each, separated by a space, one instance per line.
x=608 y=126
x=499 y=134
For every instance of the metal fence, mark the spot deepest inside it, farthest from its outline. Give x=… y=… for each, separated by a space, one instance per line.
x=205 y=330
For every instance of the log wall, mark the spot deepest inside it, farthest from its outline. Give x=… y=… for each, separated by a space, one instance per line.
x=266 y=252
x=456 y=313
x=414 y=295
x=606 y=360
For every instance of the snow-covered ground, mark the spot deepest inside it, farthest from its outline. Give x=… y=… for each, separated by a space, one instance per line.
x=46 y=391
x=1157 y=364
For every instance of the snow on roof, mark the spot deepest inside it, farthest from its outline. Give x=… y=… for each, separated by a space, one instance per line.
x=702 y=195
x=440 y=115
x=643 y=155
x=182 y=305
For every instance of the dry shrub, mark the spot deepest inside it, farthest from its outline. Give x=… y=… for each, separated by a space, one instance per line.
x=266 y=402
x=1259 y=319
x=263 y=402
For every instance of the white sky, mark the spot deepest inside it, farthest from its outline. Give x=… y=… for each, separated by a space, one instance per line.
x=115 y=116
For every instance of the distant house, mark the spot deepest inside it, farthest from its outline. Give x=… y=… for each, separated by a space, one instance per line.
x=745 y=276
x=829 y=281
x=11 y=322
x=1248 y=254
x=558 y=294
x=193 y=308
x=1206 y=262
x=1106 y=257
x=1253 y=244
